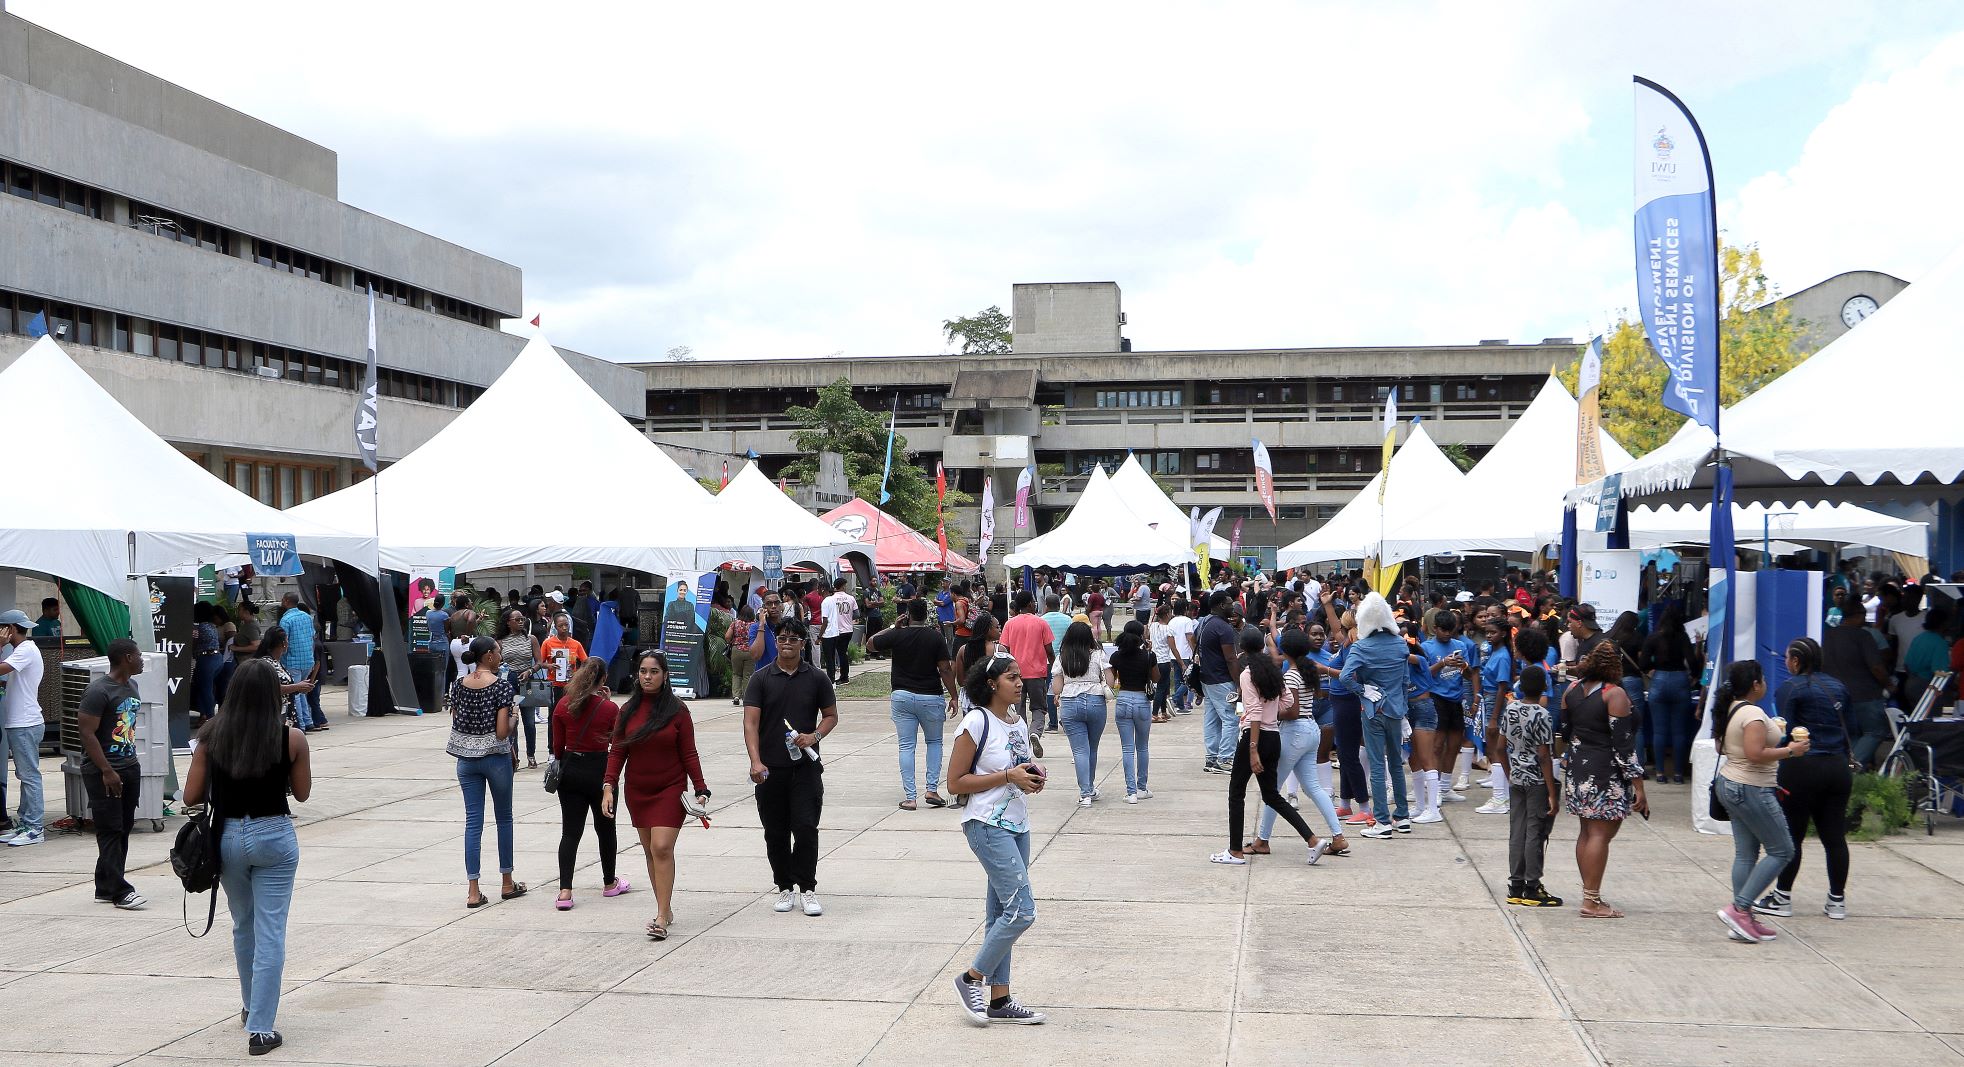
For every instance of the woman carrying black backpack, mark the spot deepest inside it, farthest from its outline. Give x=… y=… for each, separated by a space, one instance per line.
x=248 y=761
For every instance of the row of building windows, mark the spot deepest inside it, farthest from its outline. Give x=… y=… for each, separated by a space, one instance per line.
x=204 y=348
x=281 y=485
x=1139 y=398
x=85 y=200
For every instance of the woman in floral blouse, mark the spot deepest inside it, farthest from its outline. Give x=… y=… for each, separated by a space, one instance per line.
x=1605 y=782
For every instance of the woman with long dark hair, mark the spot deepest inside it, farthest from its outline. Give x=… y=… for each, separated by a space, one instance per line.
x=1815 y=789
x=654 y=740
x=1137 y=672
x=1670 y=660
x=482 y=707
x=1748 y=784
x=985 y=635
x=247 y=761
x=518 y=650
x=1258 y=752
x=1080 y=680
x=1629 y=643
x=1301 y=739
x=581 y=733
x=1605 y=781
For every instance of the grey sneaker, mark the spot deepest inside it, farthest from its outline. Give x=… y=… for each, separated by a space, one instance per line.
x=1836 y=908
x=1012 y=1012
x=1379 y=832
x=1775 y=903
x=973 y=997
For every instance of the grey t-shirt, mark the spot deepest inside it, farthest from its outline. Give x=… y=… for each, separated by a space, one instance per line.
x=116 y=703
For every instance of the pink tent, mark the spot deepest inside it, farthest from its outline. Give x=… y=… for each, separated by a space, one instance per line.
x=896 y=548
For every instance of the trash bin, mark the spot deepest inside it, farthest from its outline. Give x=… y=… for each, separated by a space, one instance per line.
x=427 y=669
x=358 y=689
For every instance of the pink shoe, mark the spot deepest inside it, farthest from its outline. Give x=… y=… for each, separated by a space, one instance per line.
x=620 y=886
x=1760 y=930
x=1740 y=923
x=564 y=905
x=1362 y=818
x=1343 y=813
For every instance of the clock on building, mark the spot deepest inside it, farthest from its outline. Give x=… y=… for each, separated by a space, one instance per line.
x=1856 y=309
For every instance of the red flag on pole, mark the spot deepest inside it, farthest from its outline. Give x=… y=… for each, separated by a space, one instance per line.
x=726 y=475
x=535 y=319
x=780 y=484
x=940 y=527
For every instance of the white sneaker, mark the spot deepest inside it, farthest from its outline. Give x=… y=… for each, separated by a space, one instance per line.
x=27 y=837
x=1380 y=831
x=1836 y=908
x=1145 y=794
x=812 y=907
x=1447 y=796
x=1460 y=782
x=8 y=836
x=1493 y=807
x=786 y=900
x=1084 y=802
x=1428 y=816
x=1131 y=798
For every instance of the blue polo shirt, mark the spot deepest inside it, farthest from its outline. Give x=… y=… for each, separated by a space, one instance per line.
x=944 y=606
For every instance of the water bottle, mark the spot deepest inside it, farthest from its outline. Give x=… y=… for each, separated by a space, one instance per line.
x=791 y=744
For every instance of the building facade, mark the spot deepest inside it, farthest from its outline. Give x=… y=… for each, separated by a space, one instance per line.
x=198 y=263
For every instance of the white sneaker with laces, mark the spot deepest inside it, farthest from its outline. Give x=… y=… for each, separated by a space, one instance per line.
x=27 y=837
x=786 y=900
x=1460 y=782
x=1447 y=796
x=1131 y=798
x=1836 y=908
x=131 y=901
x=1380 y=831
x=1145 y=794
x=1084 y=802
x=812 y=907
x=1493 y=807
x=1428 y=817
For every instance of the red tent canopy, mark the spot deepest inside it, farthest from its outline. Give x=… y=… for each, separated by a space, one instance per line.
x=896 y=547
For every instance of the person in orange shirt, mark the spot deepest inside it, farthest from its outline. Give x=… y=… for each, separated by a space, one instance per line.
x=561 y=655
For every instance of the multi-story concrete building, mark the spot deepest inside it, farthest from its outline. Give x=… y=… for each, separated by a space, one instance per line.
x=198 y=263
x=1075 y=393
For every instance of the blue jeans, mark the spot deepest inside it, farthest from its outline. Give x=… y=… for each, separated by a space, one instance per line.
x=1163 y=688
x=473 y=775
x=1084 y=724
x=1633 y=687
x=1352 y=782
x=1010 y=908
x=204 y=684
x=1383 y=738
x=1182 y=695
x=257 y=862
x=1671 y=706
x=1219 y=730
x=24 y=746
x=1869 y=722
x=1300 y=740
x=1761 y=845
x=307 y=710
x=926 y=713
x=1134 y=716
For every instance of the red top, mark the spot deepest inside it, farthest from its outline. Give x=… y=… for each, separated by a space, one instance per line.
x=585 y=730
x=660 y=760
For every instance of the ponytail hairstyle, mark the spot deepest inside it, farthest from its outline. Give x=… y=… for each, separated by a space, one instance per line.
x=1739 y=680
x=980 y=685
x=1807 y=652
x=585 y=683
x=1295 y=644
x=1262 y=671
x=1131 y=639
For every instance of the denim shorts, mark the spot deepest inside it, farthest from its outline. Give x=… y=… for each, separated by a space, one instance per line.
x=1326 y=709
x=1423 y=713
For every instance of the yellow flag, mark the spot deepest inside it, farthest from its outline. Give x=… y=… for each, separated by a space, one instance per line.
x=1382 y=579
x=1588 y=415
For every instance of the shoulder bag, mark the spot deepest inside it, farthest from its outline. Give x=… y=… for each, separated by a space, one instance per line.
x=961 y=799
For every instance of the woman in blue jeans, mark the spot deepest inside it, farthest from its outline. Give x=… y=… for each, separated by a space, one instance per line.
x=991 y=764
x=1748 y=786
x=1137 y=670
x=1302 y=737
x=483 y=707
x=1081 y=679
x=246 y=762
x=1670 y=659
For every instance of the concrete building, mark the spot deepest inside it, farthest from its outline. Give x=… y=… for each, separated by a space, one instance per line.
x=198 y=263
x=1075 y=393
x=1833 y=306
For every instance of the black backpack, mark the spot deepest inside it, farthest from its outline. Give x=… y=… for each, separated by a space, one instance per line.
x=194 y=857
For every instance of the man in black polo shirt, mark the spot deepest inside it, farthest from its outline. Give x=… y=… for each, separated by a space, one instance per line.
x=788 y=708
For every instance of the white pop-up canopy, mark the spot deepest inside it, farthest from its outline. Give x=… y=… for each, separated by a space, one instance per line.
x=752 y=502
x=1797 y=524
x=127 y=502
x=1420 y=476
x=1102 y=534
x=1809 y=425
x=490 y=490
x=1150 y=502
x=1511 y=501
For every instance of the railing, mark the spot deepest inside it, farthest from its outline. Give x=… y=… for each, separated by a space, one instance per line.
x=1182 y=484
x=713 y=423
x=1254 y=413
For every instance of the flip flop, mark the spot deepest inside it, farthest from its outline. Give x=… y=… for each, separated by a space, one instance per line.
x=907 y=805
x=517 y=890
x=656 y=931
x=936 y=800
x=1255 y=848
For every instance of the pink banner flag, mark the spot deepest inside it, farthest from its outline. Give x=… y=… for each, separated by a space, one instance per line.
x=1265 y=479
x=1023 y=499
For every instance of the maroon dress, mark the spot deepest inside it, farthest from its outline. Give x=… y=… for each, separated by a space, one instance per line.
x=658 y=766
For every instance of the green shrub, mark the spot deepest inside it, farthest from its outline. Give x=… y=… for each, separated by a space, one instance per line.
x=1877 y=807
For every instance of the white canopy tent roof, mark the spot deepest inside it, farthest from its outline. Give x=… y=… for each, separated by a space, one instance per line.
x=1150 y=502
x=752 y=502
x=1420 y=475
x=1801 y=427
x=1101 y=532
x=546 y=500
x=1801 y=524
x=1511 y=501
x=133 y=504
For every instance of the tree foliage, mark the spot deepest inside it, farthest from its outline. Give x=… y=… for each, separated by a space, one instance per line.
x=1459 y=455
x=838 y=423
x=1759 y=340
x=985 y=333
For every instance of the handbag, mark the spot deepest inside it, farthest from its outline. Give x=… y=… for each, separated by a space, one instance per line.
x=535 y=693
x=194 y=859
x=555 y=768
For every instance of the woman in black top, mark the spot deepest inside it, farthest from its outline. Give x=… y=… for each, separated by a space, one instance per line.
x=248 y=761
x=1670 y=660
x=1137 y=672
x=1815 y=788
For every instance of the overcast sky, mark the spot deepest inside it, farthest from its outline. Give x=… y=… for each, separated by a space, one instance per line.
x=757 y=181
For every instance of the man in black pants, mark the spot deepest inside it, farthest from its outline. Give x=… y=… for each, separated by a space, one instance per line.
x=788 y=708
x=112 y=776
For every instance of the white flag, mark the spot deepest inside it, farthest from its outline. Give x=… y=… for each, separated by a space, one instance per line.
x=988 y=514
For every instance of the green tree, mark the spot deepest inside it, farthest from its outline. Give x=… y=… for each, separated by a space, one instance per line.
x=838 y=423
x=985 y=333
x=1759 y=340
x=1459 y=455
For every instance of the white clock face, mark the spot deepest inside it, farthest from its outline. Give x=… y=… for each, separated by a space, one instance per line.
x=1856 y=309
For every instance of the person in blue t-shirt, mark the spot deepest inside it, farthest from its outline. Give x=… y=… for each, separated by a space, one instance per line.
x=1496 y=689
x=1452 y=664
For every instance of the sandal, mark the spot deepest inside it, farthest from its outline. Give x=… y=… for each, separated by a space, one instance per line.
x=517 y=890
x=1257 y=847
x=936 y=800
x=1335 y=849
x=657 y=931
x=907 y=805
x=481 y=901
x=1595 y=899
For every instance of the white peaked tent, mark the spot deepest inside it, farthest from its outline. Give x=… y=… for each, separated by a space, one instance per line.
x=1803 y=524
x=481 y=494
x=1511 y=501
x=1808 y=425
x=1102 y=533
x=1420 y=475
x=752 y=502
x=128 y=502
x=1147 y=500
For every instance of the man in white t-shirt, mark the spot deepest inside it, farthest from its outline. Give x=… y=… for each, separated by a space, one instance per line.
x=837 y=614
x=1905 y=624
x=20 y=713
x=1181 y=631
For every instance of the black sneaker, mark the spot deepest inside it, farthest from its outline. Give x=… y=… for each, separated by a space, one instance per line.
x=261 y=1044
x=1514 y=894
x=1012 y=1012
x=974 y=999
x=1538 y=896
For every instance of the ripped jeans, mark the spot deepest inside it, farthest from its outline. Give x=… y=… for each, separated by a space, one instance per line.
x=1011 y=907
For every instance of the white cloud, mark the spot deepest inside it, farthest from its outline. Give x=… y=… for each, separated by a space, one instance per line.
x=1876 y=185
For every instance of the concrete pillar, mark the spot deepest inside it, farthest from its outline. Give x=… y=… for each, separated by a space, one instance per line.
x=6 y=589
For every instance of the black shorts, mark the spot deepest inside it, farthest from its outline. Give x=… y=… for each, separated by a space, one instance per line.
x=1452 y=714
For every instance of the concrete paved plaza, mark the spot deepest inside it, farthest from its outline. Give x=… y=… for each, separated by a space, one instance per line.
x=1143 y=953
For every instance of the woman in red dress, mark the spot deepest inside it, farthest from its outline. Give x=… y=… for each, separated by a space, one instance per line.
x=655 y=741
